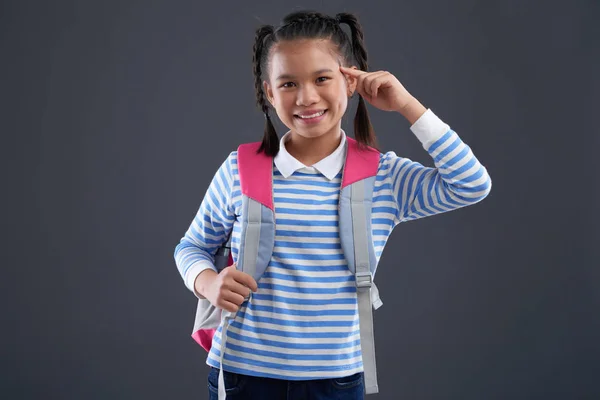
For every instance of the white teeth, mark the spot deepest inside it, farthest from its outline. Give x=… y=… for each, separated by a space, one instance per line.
x=313 y=115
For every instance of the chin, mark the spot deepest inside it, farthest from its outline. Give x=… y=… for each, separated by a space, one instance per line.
x=311 y=133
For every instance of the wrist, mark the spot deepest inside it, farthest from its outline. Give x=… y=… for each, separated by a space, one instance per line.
x=412 y=110
x=203 y=282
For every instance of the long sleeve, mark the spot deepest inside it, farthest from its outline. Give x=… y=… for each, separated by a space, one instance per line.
x=458 y=179
x=210 y=228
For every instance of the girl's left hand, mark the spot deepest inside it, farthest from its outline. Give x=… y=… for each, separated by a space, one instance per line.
x=380 y=88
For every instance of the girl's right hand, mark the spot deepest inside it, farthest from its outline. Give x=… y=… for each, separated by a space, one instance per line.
x=228 y=289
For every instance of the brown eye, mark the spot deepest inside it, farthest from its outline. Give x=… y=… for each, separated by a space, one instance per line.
x=287 y=84
x=322 y=79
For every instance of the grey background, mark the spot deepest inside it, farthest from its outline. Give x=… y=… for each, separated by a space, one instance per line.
x=115 y=116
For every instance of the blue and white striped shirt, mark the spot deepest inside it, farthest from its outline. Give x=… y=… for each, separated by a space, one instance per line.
x=302 y=323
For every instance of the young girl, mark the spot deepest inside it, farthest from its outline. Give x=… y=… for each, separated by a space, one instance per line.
x=295 y=331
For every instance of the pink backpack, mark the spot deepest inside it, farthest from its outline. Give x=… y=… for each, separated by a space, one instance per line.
x=258 y=237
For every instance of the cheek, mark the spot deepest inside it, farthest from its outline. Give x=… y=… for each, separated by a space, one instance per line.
x=340 y=92
x=341 y=100
x=281 y=105
x=284 y=101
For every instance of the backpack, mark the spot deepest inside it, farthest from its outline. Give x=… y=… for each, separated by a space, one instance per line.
x=257 y=241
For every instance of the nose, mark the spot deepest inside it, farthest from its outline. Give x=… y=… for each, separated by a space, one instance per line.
x=307 y=95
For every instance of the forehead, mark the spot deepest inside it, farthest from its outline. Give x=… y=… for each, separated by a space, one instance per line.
x=303 y=56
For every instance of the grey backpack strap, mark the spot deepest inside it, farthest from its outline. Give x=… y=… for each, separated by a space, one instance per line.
x=247 y=260
x=257 y=237
x=364 y=282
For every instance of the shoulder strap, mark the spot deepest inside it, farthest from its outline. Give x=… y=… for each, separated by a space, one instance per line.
x=257 y=236
x=356 y=199
x=254 y=170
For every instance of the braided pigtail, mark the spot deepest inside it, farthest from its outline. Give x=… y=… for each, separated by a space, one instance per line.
x=270 y=142
x=363 y=130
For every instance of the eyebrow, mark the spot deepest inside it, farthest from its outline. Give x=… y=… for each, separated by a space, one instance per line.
x=288 y=76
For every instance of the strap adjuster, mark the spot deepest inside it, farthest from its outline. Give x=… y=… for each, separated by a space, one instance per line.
x=364 y=280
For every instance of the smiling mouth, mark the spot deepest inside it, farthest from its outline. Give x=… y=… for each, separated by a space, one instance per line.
x=311 y=116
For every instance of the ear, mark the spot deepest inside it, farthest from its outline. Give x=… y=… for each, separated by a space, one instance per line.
x=268 y=92
x=351 y=82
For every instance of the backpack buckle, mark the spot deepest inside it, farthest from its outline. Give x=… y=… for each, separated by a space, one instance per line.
x=364 y=280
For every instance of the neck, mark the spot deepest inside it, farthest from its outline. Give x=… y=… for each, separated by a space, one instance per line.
x=310 y=151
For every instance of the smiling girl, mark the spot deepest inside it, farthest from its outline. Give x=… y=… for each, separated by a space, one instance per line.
x=294 y=334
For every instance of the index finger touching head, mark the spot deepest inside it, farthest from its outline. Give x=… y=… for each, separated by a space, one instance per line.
x=352 y=71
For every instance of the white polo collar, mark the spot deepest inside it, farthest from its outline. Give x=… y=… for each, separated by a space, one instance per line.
x=330 y=166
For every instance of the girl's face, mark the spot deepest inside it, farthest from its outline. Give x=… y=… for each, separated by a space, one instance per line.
x=306 y=87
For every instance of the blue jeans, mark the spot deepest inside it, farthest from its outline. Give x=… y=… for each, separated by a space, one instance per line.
x=245 y=387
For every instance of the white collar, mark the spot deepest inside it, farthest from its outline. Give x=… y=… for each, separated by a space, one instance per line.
x=330 y=166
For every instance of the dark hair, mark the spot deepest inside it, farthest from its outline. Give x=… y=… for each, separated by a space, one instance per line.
x=311 y=25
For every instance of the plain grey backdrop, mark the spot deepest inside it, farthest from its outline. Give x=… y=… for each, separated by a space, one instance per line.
x=115 y=116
